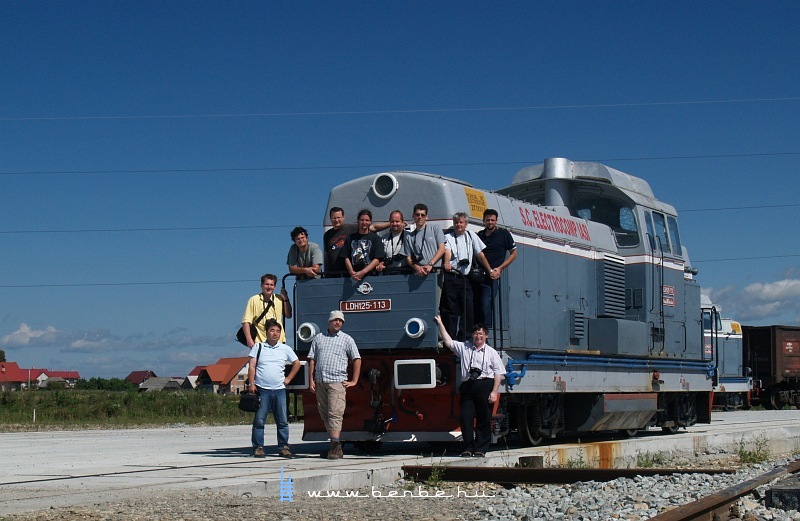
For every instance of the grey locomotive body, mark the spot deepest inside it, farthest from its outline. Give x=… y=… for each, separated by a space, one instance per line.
x=598 y=320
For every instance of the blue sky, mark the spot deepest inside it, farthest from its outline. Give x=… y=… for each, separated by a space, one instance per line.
x=155 y=155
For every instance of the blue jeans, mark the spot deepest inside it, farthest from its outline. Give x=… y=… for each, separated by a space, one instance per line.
x=272 y=400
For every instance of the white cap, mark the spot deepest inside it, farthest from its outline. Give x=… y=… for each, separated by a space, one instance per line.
x=336 y=314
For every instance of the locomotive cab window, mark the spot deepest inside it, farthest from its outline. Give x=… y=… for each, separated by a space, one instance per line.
x=707 y=321
x=672 y=225
x=661 y=237
x=614 y=214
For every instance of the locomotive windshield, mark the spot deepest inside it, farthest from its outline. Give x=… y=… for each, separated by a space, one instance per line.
x=663 y=233
x=613 y=213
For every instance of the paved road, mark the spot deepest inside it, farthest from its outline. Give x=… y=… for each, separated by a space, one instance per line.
x=55 y=469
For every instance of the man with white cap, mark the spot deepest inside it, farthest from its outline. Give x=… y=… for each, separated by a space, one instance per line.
x=328 y=359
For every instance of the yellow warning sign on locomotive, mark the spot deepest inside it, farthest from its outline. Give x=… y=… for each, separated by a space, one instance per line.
x=476 y=201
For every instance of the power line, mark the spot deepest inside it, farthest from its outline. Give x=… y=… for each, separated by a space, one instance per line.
x=760 y=207
x=284 y=226
x=400 y=111
x=250 y=281
x=749 y=258
x=96 y=284
x=377 y=166
x=163 y=229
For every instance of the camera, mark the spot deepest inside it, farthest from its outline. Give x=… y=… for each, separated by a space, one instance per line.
x=474 y=373
x=397 y=257
x=463 y=262
x=417 y=259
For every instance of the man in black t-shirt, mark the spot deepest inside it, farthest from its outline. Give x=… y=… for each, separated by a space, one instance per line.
x=498 y=242
x=363 y=250
x=333 y=242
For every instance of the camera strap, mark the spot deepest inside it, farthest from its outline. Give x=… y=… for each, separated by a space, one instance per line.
x=395 y=246
x=472 y=355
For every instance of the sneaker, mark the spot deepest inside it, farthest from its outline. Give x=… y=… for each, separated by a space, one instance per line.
x=335 y=451
x=285 y=452
x=258 y=452
x=466 y=454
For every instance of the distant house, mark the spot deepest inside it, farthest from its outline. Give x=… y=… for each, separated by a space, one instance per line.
x=160 y=384
x=56 y=381
x=137 y=377
x=190 y=382
x=228 y=375
x=12 y=378
x=41 y=378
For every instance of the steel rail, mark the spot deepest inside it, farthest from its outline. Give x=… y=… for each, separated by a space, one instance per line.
x=717 y=505
x=549 y=476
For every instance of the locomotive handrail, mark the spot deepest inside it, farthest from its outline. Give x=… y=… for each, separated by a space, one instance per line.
x=294 y=310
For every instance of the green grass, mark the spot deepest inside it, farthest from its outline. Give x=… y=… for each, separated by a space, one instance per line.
x=758 y=454
x=80 y=409
x=647 y=460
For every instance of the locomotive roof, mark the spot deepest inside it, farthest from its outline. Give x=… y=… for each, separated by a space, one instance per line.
x=531 y=178
x=591 y=171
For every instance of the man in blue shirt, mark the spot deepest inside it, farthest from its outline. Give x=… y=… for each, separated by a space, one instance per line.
x=266 y=376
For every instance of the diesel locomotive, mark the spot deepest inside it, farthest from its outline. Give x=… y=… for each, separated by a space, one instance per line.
x=598 y=320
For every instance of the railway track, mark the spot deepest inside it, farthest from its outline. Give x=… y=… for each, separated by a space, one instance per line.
x=713 y=507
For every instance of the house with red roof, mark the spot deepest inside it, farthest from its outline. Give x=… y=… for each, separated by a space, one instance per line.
x=190 y=382
x=41 y=377
x=138 y=377
x=12 y=378
x=228 y=375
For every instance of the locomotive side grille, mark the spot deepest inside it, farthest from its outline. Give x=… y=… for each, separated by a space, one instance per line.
x=577 y=324
x=611 y=300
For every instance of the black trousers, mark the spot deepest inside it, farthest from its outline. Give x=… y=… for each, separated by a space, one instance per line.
x=456 y=306
x=475 y=408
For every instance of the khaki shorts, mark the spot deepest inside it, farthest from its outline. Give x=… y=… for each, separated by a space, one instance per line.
x=331 y=403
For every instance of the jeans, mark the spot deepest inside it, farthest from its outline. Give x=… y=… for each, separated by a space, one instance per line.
x=272 y=400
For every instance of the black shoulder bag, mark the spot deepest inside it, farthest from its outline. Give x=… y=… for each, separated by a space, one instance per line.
x=253 y=330
x=250 y=402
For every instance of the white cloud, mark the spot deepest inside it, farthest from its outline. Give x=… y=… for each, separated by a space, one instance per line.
x=25 y=336
x=775 y=302
x=780 y=290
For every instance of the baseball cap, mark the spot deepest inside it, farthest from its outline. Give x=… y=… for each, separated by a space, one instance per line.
x=336 y=314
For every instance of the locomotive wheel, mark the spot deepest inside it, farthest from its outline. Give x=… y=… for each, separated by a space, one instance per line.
x=776 y=402
x=528 y=425
x=629 y=433
x=766 y=400
x=672 y=429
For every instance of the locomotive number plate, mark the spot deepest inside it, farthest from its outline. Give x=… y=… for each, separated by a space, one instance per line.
x=357 y=306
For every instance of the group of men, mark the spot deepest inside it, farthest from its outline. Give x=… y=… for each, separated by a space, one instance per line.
x=331 y=353
x=358 y=251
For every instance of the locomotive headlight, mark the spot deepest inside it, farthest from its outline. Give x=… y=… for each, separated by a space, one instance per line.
x=307 y=331
x=385 y=185
x=415 y=327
